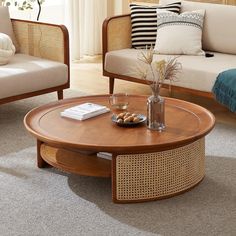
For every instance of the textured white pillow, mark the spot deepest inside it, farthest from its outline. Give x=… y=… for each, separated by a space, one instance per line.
x=6 y=26
x=179 y=34
x=7 y=49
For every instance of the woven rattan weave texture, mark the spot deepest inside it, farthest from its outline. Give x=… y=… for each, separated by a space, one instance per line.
x=160 y=174
x=40 y=40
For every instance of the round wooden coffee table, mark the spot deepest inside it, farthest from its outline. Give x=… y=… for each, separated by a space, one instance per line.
x=146 y=165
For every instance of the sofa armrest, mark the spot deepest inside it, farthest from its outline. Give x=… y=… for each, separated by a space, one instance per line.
x=116 y=33
x=42 y=40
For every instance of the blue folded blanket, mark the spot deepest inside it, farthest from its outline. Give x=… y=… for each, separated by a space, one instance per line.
x=225 y=89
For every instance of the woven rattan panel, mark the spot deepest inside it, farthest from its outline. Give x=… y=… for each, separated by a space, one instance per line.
x=159 y=174
x=40 y=40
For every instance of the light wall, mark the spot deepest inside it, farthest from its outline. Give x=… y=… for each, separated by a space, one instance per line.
x=229 y=2
x=116 y=7
x=53 y=11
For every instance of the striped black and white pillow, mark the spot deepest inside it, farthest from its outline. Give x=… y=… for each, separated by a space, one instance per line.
x=144 y=23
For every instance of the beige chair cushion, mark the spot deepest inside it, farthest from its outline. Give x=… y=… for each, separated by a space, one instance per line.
x=25 y=74
x=219 y=32
x=198 y=72
x=6 y=26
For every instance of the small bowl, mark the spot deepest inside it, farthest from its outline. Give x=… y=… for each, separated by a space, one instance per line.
x=119 y=101
x=142 y=119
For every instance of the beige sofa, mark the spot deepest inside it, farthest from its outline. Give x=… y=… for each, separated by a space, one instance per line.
x=199 y=72
x=41 y=63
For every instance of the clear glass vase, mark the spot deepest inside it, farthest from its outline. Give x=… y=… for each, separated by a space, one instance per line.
x=156 y=112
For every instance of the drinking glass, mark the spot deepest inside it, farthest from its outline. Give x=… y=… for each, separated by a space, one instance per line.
x=119 y=102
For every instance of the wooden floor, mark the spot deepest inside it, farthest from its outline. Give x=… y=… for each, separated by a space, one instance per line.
x=86 y=76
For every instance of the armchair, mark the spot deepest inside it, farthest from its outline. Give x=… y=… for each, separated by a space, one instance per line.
x=41 y=64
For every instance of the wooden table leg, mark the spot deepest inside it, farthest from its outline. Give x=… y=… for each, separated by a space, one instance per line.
x=40 y=161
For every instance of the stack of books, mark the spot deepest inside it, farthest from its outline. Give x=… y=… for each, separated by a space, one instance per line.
x=84 y=111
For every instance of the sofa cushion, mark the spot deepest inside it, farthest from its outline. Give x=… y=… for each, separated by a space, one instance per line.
x=179 y=34
x=25 y=74
x=198 y=73
x=219 y=32
x=144 y=23
x=6 y=26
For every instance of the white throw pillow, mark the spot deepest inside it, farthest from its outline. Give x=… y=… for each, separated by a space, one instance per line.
x=179 y=34
x=6 y=26
x=7 y=49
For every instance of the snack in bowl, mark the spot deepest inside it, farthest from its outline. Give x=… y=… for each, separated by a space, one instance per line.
x=128 y=119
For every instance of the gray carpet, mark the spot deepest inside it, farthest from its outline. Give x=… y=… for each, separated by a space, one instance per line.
x=48 y=202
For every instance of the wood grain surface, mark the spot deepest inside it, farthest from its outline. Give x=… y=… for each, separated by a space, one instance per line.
x=185 y=123
x=76 y=162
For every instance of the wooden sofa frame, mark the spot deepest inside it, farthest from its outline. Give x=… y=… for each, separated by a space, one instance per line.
x=48 y=41
x=116 y=35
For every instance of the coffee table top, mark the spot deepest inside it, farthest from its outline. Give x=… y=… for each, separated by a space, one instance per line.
x=185 y=123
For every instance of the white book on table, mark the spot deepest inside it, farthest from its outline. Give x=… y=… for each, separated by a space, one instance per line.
x=84 y=117
x=84 y=111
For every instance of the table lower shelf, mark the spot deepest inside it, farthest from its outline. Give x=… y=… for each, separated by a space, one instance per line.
x=76 y=162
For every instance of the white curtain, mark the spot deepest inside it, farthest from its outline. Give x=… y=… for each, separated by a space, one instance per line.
x=84 y=20
x=92 y=15
x=72 y=22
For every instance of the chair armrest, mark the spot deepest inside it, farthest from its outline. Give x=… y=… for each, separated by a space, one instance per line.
x=116 y=33
x=42 y=40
